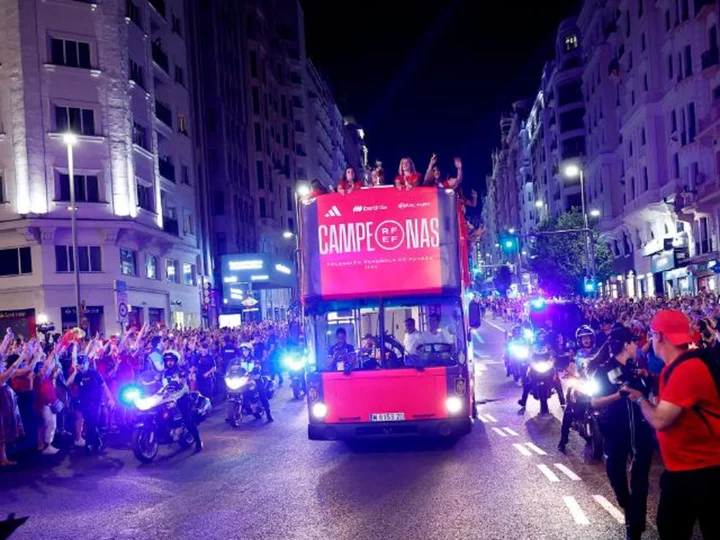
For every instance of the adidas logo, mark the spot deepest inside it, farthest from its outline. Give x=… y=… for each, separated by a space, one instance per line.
x=333 y=212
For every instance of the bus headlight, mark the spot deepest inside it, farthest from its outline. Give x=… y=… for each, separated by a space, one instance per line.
x=453 y=404
x=319 y=410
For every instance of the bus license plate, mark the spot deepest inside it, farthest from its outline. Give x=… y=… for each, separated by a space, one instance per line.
x=387 y=417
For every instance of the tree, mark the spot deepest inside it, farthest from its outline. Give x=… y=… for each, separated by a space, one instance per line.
x=503 y=279
x=560 y=260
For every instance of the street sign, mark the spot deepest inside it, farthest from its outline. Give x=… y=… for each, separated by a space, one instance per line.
x=122 y=306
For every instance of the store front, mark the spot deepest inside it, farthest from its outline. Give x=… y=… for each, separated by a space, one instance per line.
x=22 y=322
x=93 y=320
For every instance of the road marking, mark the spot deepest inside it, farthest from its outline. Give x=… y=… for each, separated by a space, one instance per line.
x=548 y=473
x=536 y=449
x=610 y=508
x=496 y=327
x=490 y=417
x=571 y=475
x=481 y=367
x=499 y=431
x=520 y=448
x=510 y=432
x=577 y=513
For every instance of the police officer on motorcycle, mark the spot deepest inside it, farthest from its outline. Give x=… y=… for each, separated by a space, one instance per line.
x=585 y=342
x=624 y=429
x=175 y=379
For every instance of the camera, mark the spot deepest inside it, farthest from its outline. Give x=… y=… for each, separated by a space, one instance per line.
x=630 y=376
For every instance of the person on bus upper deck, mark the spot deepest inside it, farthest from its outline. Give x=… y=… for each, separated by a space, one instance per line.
x=317 y=188
x=377 y=177
x=349 y=182
x=435 y=334
x=433 y=176
x=407 y=177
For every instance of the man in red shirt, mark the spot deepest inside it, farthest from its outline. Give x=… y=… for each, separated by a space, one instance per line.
x=687 y=420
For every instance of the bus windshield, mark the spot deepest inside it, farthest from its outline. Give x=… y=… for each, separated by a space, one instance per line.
x=416 y=334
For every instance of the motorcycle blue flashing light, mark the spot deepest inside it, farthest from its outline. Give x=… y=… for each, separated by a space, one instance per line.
x=537 y=304
x=129 y=395
x=521 y=352
x=528 y=334
x=294 y=362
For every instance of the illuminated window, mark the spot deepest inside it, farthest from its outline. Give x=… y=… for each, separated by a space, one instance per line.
x=571 y=42
x=151 y=266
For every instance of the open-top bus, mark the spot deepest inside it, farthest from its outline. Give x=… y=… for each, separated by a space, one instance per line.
x=372 y=260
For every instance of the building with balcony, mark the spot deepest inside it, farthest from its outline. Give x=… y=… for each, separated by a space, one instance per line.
x=649 y=87
x=114 y=73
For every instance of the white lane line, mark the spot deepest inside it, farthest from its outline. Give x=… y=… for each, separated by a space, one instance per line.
x=548 y=473
x=610 y=508
x=499 y=431
x=495 y=326
x=536 y=449
x=482 y=418
x=577 y=513
x=481 y=367
x=490 y=417
x=520 y=448
x=510 y=432
x=567 y=472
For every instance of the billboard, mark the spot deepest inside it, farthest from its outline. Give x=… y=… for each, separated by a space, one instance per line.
x=380 y=242
x=245 y=272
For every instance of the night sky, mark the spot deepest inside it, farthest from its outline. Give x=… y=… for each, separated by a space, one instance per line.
x=424 y=77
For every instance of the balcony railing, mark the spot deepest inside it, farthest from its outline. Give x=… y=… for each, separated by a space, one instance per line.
x=160 y=57
x=167 y=169
x=163 y=113
x=710 y=58
x=171 y=226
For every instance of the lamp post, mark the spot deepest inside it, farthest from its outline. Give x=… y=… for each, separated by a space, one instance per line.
x=573 y=170
x=70 y=140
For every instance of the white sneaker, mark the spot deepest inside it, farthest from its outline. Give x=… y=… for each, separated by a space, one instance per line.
x=50 y=450
x=80 y=442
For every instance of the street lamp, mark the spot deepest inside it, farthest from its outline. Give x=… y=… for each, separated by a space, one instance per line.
x=574 y=170
x=512 y=230
x=288 y=235
x=595 y=213
x=539 y=204
x=70 y=140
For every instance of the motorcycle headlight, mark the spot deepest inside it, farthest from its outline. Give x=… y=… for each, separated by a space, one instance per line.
x=590 y=387
x=294 y=363
x=542 y=367
x=235 y=383
x=147 y=403
x=129 y=395
x=521 y=352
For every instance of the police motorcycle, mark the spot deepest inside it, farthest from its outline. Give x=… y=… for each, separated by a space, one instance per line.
x=295 y=361
x=581 y=389
x=541 y=378
x=243 y=380
x=160 y=418
x=517 y=352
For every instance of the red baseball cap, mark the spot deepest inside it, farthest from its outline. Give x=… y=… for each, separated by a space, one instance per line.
x=674 y=325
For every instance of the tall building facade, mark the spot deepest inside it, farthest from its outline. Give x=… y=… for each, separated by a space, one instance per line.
x=115 y=74
x=657 y=71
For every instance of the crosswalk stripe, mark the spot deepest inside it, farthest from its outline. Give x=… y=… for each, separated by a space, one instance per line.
x=490 y=417
x=577 y=513
x=571 y=475
x=548 y=473
x=520 y=448
x=536 y=449
x=510 y=432
x=610 y=508
x=499 y=431
x=482 y=418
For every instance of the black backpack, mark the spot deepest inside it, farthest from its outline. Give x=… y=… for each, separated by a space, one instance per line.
x=709 y=357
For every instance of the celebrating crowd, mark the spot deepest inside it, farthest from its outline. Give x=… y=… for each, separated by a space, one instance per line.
x=68 y=390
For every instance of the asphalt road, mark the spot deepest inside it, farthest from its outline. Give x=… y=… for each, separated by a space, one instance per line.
x=504 y=481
